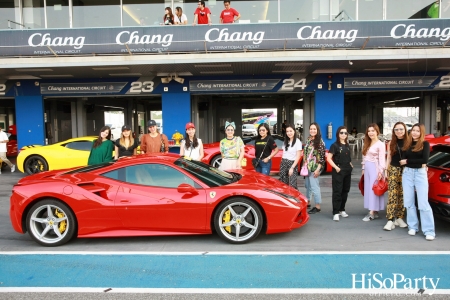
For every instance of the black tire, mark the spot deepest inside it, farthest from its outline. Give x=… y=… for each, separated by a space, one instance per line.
x=35 y=164
x=51 y=223
x=243 y=228
x=216 y=161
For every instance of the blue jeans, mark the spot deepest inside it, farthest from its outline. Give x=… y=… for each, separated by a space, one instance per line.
x=264 y=167
x=417 y=179
x=313 y=188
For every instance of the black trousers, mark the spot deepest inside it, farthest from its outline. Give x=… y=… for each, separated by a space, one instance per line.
x=341 y=186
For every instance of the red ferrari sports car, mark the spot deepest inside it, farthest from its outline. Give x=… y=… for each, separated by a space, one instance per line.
x=445 y=139
x=439 y=181
x=150 y=195
x=213 y=156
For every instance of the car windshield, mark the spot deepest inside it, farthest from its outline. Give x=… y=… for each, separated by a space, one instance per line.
x=209 y=175
x=439 y=157
x=90 y=168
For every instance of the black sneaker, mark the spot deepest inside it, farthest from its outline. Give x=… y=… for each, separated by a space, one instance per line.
x=314 y=210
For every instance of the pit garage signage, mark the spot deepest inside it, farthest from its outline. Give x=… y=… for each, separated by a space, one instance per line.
x=82 y=88
x=389 y=82
x=233 y=85
x=422 y=33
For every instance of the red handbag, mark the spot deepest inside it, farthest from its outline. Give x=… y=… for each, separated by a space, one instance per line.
x=361 y=184
x=380 y=187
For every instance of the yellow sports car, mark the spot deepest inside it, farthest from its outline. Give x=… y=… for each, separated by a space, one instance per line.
x=68 y=154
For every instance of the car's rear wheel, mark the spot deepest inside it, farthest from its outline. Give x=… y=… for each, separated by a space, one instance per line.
x=35 y=164
x=238 y=220
x=216 y=161
x=50 y=223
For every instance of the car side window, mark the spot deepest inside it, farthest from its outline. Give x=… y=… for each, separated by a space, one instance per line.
x=79 y=145
x=156 y=175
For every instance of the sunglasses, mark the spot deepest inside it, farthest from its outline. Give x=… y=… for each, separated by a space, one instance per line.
x=343 y=132
x=399 y=129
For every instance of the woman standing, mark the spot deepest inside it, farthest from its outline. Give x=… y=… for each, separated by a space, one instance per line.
x=102 y=148
x=191 y=146
x=291 y=157
x=126 y=145
x=154 y=142
x=395 y=212
x=180 y=18
x=417 y=151
x=340 y=159
x=168 y=17
x=232 y=149
x=374 y=163
x=265 y=149
x=314 y=159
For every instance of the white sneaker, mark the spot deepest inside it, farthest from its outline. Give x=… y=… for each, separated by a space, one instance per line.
x=343 y=214
x=389 y=226
x=368 y=218
x=400 y=223
x=13 y=168
x=336 y=217
x=411 y=232
x=429 y=237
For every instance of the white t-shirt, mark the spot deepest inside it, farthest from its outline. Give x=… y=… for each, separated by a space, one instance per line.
x=183 y=18
x=3 y=137
x=193 y=153
x=291 y=152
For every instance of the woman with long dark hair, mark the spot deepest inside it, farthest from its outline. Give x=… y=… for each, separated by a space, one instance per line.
x=339 y=157
x=291 y=156
x=395 y=212
x=191 y=146
x=168 y=17
x=180 y=18
x=373 y=166
x=126 y=145
x=414 y=179
x=102 y=148
x=314 y=159
x=265 y=149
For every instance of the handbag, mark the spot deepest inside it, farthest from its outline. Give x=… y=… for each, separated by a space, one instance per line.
x=304 y=170
x=255 y=161
x=380 y=187
x=162 y=150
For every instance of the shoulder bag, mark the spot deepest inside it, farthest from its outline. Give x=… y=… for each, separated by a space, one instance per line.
x=162 y=149
x=255 y=161
x=380 y=186
x=304 y=169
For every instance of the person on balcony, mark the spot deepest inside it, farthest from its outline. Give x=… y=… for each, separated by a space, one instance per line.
x=202 y=14
x=228 y=14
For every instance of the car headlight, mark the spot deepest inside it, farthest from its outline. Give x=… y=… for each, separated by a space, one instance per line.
x=288 y=197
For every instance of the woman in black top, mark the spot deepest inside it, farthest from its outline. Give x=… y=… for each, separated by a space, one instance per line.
x=395 y=211
x=339 y=157
x=168 y=17
x=265 y=149
x=417 y=152
x=126 y=145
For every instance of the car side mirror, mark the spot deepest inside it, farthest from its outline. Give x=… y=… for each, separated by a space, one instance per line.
x=187 y=188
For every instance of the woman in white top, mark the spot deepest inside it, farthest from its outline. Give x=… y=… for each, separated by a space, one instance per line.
x=180 y=18
x=291 y=156
x=191 y=147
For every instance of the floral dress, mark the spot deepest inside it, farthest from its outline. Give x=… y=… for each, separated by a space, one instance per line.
x=314 y=157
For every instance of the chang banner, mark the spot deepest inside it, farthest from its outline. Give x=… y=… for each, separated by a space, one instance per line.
x=388 y=82
x=233 y=85
x=227 y=37
x=82 y=88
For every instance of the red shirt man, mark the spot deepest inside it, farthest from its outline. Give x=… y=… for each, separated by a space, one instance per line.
x=228 y=14
x=202 y=14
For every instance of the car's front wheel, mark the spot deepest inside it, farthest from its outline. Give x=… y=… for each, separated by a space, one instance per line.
x=238 y=220
x=50 y=223
x=35 y=164
x=216 y=161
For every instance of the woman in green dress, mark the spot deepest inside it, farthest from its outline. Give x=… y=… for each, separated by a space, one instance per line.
x=102 y=148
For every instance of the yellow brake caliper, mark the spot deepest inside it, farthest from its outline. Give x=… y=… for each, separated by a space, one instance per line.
x=226 y=219
x=63 y=224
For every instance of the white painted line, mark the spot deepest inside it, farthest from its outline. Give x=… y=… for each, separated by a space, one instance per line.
x=375 y=292
x=262 y=253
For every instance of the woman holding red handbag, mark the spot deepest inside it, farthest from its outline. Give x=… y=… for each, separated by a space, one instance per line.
x=373 y=166
x=417 y=152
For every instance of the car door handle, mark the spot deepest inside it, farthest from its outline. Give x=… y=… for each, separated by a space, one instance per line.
x=124 y=201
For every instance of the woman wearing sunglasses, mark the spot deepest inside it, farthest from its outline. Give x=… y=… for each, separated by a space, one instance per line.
x=231 y=148
x=339 y=157
x=395 y=212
